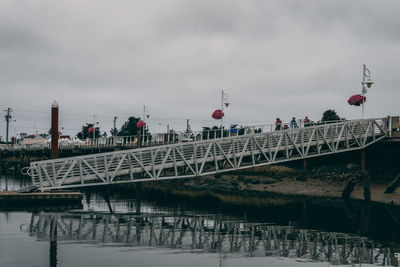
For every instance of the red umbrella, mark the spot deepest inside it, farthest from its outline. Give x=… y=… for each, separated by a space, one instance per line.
x=356 y=100
x=91 y=129
x=140 y=124
x=217 y=114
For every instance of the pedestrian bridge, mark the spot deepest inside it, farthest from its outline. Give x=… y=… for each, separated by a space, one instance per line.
x=199 y=158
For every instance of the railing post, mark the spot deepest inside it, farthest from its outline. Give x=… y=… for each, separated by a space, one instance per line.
x=302 y=141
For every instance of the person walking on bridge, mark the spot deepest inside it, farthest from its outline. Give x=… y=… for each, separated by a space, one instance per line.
x=307 y=121
x=278 y=124
x=293 y=123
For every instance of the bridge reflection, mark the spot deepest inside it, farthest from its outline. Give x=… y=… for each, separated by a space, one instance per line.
x=207 y=233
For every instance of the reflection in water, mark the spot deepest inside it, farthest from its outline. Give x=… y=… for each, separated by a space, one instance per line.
x=13 y=183
x=53 y=241
x=206 y=233
x=232 y=226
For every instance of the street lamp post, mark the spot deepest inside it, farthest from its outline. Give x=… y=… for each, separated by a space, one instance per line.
x=224 y=102
x=366 y=81
x=146 y=114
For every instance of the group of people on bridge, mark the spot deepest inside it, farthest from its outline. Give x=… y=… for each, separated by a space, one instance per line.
x=292 y=124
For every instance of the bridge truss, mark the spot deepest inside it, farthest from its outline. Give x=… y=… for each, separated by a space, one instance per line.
x=199 y=158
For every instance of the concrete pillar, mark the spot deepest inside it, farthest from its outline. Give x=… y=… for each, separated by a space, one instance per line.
x=54 y=130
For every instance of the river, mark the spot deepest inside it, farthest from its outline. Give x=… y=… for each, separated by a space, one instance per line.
x=149 y=227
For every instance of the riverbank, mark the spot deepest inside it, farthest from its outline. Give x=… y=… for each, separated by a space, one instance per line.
x=325 y=182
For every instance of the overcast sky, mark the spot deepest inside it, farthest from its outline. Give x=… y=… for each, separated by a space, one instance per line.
x=273 y=59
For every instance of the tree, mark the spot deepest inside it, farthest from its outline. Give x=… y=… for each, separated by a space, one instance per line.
x=130 y=128
x=330 y=115
x=114 y=131
x=85 y=132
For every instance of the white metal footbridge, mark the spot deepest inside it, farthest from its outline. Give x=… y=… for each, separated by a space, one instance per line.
x=205 y=157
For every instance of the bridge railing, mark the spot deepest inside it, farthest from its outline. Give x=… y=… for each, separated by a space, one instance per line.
x=174 y=137
x=152 y=139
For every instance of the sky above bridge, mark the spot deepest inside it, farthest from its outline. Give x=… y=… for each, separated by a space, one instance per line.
x=273 y=59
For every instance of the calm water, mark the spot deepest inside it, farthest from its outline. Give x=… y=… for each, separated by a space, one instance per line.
x=154 y=228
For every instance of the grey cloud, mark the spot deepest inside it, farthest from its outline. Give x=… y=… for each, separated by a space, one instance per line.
x=274 y=58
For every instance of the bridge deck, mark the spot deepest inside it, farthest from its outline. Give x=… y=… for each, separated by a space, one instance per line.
x=206 y=157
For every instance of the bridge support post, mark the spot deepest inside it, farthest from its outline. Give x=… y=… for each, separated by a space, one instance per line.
x=305 y=164
x=363 y=159
x=366 y=185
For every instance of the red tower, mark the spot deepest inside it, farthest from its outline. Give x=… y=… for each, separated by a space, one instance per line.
x=54 y=130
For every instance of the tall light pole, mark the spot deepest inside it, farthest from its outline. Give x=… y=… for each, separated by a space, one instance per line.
x=366 y=81
x=94 y=127
x=224 y=102
x=146 y=114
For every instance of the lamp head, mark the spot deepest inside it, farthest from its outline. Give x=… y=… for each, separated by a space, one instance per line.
x=227 y=104
x=369 y=82
x=147 y=115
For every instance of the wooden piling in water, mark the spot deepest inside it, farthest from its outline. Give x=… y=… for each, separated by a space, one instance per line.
x=367 y=186
x=393 y=184
x=363 y=159
x=349 y=188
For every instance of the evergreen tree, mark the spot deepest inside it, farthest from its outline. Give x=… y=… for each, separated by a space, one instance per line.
x=85 y=132
x=114 y=131
x=130 y=128
x=330 y=115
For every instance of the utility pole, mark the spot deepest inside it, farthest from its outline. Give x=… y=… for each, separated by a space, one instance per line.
x=115 y=126
x=8 y=117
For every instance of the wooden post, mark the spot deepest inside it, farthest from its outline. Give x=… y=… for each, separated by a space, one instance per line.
x=349 y=188
x=54 y=130
x=393 y=185
x=367 y=187
x=363 y=160
x=305 y=164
